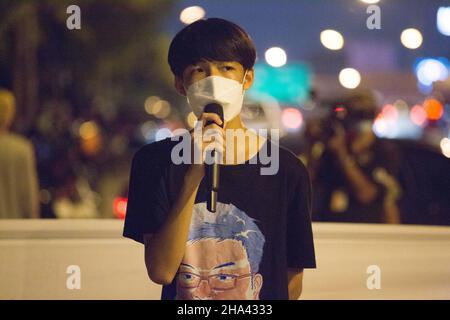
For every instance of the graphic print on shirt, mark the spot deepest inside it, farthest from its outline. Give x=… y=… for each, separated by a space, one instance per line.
x=222 y=257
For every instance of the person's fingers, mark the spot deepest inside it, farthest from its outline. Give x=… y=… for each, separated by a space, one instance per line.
x=198 y=125
x=205 y=117
x=215 y=145
x=215 y=139
x=213 y=131
x=212 y=137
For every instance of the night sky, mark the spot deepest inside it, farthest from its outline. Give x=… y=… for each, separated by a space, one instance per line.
x=296 y=25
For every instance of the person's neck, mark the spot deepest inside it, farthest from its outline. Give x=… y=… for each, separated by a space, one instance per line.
x=246 y=150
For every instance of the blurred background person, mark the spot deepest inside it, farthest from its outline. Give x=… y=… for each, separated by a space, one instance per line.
x=353 y=172
x=18 y=177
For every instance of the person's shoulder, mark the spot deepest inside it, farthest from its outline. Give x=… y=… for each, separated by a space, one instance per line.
x=18 y=142
x=155 y=152
x=289 y=161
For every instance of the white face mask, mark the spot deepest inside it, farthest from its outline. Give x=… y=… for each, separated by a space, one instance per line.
x=226 y=92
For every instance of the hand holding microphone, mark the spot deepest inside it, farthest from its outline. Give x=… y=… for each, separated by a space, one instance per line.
x=212 y=169
x=210 y=147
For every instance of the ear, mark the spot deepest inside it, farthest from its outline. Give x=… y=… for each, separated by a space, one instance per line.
x=249 y=77
x=257 y=285
x=179 y=86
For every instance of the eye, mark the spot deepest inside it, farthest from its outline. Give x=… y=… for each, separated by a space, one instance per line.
x=196 y=69
x=228 y=68
x=187 y=277
x=224 y=277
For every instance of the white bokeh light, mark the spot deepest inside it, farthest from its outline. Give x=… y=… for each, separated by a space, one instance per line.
x=192 y=14
x=331 y=39
x=162 y=134
x=443 y=20
x=380 y=127
x=370 y=1
x=431 y=70
x=445 y=147
x=411 y=38
x=349 y=78
x=276 y=57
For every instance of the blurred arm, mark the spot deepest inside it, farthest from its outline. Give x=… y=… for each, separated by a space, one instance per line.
x=30 y=186
x=295 y=283
x=366 y=191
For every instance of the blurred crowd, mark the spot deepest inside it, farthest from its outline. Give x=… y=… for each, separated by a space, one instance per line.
x=360 y=177
x=80 y=165
x=67 y=167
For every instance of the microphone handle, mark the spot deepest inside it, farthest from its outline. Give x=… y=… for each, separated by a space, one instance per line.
x=213 y=181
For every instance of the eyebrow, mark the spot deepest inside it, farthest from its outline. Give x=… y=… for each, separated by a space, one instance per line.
x=222 y=63
x=225 y=265
x=187 y=265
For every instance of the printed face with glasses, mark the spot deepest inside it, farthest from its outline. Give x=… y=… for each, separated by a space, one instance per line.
x=223 y=273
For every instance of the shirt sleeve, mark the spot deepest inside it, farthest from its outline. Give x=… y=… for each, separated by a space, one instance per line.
x=300 y=243
x=148 y=203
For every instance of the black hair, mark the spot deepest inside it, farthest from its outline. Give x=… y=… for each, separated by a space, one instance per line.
x=211 y=39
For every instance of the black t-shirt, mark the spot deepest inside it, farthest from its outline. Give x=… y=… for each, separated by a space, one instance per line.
x=262 y=225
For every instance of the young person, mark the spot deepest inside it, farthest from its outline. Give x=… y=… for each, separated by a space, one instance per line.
x=259 y=240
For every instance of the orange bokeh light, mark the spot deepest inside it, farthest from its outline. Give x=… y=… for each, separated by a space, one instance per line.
x=434 y=109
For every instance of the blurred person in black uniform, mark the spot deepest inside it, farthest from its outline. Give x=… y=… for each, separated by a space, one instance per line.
x=353 y=172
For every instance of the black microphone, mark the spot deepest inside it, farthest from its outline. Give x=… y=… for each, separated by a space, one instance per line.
x=212 y=171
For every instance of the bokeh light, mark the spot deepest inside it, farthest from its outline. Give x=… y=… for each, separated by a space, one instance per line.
x=162 y=109
x=443 y=20
x=162 y=134
x=411 y=38
x=390 y=112
x=331 y=39
x=276 y=57
x=149 y=104
x=418 y=115
x=192 y=14
x=291 y=118
x=157 y=107
x=349 y=78
x=380 y=126
x=88 y=130
x=431 y=70
x=190 y=119
x=433 y=108
x=445 y=147
x=91 y=140
x=120 y=207
x=148 y=130
x=370 y=1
